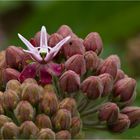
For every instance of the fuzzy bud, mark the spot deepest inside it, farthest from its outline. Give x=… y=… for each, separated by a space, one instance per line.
x=108 y=112
x=62 y=120
x=10 y=99
x=76 y=63
x=46 y=134
x=4 y=119
x=69 y=104
x=30 y=81
x=120 y=75
x=1 y=110
x=31 y=93
x=43 y=121
x=72 y=47
x=69 y=81
x=24 y=111
x=49 y=104
x=125 y=89
x=93 y=42
x=63 y=135
x=110 y=65
x=133 y=114
x=121 y=124
x=92 y=87
x=107 y=82
x=2 y=60
x=49 y=88
x=14 y=57
x=76 y=126
x=1 y=97
x=92 y=60
x=28 y=130
x=10 y=131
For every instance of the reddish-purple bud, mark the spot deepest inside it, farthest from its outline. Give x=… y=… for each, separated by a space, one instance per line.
x=110 y=65
x=10 y=131
x=121 y=124
x=46 y=134
x=28 y=130
x=69 y=104
x=133 y=114
x=9 y=74
x=93 y=42
x=14 y=57
x=63 y=135
x=125 y=89
x=107 y=82
x=76 y=126
x=54 y=39
x=24 y=111
x=76 y=63
x=92 y=60
x=62 y=120
x=43 y=121
x=120 y=75
x=69 y=81
x=108 y=112
x=92 y=87
x=72 y=47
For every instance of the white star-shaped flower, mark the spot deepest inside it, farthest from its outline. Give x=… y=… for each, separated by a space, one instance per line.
x=49 y=52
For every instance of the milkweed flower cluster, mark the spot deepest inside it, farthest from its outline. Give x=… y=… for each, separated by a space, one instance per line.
x=60 y=85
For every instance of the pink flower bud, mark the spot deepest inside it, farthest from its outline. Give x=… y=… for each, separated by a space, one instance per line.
x=110 y=65
x=9 y=74
x=124 y=89
x=4 y=119
x=121 y=124
x=62 y=120
x=107 y=82
x=24 y=111
x=63 y=135
x=76 y=63
x=92 y=87
x=14 y=57
x=69 y=81
x=46 y=134
x=54 y=39
x=72 y=47
x=92 y=60
x=93 y=42
x=43 y=121
x=28 y=130
x=10 y=131
x=108 y=112
x=120 y=75
x=133 y=114
x=69 y=104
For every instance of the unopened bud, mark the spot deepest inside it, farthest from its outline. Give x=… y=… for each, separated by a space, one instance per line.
x=93 y=42
x=24 y=111
x=125 y=89
x=43 y=121
x=121 y=124
x=133 y=114
x=63 y=135
x=120 y=75
x=69 y=81
x=92 y=87
x=3 y=120
x=28 y=130
x=72 y=47
x=76 y=126
x=76 y=63
x=2 y=60
x=30 y=81
x=10 y=131
x=46 y=134
x=69 y=104
x=10 y=99
x=14 y=57
x=107 y=82
x=1 y=97
x=62 y=120
x=49 y=88
x=1 y=110
x=92 y=60
x=108 y=112
x=49 y=104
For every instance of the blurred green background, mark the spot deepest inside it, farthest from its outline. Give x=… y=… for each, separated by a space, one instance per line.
x=118 y=23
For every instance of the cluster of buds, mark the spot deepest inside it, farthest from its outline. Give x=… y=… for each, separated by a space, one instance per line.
x=60 y=84
x=28 y=110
